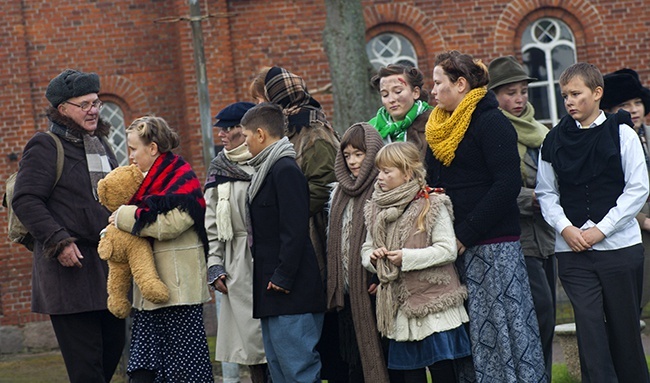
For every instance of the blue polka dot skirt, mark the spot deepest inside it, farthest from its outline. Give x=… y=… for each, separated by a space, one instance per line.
x=171 y=341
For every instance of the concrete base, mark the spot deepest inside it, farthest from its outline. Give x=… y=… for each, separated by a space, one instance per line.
x=33 y=337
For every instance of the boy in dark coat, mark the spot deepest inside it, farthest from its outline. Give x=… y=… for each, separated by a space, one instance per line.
x=287 y=290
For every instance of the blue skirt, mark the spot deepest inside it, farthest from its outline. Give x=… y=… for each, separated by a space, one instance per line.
x=503 y=327
x=450 y=344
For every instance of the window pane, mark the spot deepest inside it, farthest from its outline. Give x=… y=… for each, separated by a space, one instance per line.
x=391 y=48
x=545 y=31
x=539 y=98
x=561 y=110
x=535 y=63
x=563 y=58
x=527 y=38
x=548 y=48
x=117 y=136
x=565 y=32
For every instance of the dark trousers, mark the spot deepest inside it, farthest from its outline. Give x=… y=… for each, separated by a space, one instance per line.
x=604 y=289
x=91 y=344
x=542 y=277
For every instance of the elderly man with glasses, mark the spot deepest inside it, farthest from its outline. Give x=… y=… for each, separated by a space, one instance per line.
x=65 y=219
x=230 y=262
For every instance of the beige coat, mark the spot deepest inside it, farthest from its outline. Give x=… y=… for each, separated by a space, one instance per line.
x=178 y=254
x=239 y=335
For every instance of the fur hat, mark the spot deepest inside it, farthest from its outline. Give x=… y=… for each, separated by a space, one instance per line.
x=71 y=83
x=232 y=114
x=624 y=85
x=506 y=70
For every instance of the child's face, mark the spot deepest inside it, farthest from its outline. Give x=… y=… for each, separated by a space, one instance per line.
x=389 y=178
x=397 y=95
x=580 y=102
x=141 y=154
x=513 y=97
x=353 y=158
x=253 y=141
x=635 y=108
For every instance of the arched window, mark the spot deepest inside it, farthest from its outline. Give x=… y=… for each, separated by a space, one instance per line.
x=112 y=113
x=548 y=48
x=391 y=48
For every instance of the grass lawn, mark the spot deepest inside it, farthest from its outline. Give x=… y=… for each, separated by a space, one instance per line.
x=49 y=368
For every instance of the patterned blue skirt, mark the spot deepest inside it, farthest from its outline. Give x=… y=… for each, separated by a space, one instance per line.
x=171 y=341
x=451 y=344
x=503 y=326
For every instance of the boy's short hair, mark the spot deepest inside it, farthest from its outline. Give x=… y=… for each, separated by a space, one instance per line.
x=589 y=74
x=266 y=116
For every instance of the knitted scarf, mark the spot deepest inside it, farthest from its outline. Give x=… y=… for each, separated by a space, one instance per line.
x=445 y=130
x=96 y=156
x=170 y=184
x=264 y=160
x=530 y=133
x=397 y=129
x=290 y=92
x=225 y=168
x=356 y=191
x=389 y=228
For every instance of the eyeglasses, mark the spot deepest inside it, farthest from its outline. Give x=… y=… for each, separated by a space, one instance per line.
x=85 y=106
x=228 y=129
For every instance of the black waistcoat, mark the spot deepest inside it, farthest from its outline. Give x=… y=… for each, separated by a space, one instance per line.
x=587 y=163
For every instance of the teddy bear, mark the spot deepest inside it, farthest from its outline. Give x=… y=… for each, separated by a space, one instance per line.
x=126 y=254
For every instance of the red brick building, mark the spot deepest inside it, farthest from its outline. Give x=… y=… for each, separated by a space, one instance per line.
x=143 y=52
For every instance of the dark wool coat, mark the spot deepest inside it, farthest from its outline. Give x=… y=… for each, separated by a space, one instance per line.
x=416 y=133
x=282 y=250
x=484 y=179
x=53 y=219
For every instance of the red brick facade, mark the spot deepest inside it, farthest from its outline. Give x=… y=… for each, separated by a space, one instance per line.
x=142 y=50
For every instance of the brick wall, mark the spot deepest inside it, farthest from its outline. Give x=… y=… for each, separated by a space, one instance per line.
x=142 y=50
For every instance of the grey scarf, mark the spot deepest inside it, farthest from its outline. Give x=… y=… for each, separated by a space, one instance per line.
x=96 y=156
x=262 y=163
x=264 y=160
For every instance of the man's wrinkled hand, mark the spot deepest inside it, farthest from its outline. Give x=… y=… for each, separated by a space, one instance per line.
x=70 y=256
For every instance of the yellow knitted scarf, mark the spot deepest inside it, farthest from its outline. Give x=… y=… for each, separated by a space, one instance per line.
x=445 y=130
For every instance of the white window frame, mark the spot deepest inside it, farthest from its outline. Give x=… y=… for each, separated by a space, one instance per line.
x=112 y=113
x=399 y=47
x=547 y=47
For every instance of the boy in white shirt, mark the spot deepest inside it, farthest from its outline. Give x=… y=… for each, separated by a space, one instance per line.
x=591 y=183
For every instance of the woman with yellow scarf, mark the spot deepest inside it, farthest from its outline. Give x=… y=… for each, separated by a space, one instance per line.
x=473 y=156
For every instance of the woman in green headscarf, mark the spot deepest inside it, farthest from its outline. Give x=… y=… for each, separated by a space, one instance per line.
x=405 y=111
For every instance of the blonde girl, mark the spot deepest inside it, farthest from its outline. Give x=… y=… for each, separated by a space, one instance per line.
x=412 y=248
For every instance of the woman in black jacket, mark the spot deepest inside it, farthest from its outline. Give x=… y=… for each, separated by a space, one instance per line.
x=473 y=157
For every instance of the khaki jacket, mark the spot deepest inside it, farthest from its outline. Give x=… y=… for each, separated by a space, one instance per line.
x=178 y=254
x=239 y=335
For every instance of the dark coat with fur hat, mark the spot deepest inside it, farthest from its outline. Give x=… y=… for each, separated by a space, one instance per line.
x=68 y=214
x=624 y=85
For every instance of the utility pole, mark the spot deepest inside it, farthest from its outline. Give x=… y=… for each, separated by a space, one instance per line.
x=202 y=82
